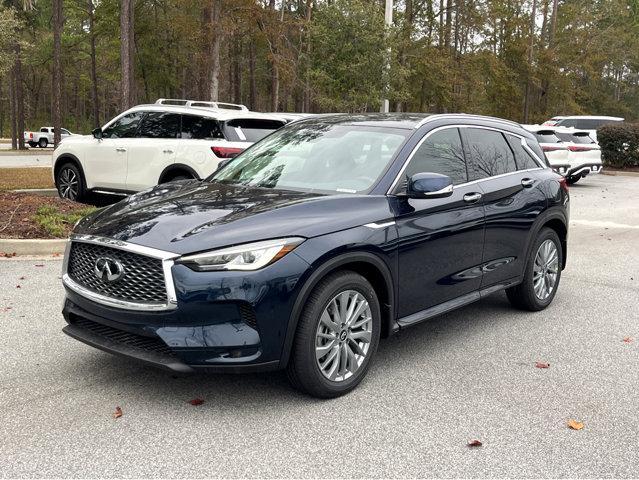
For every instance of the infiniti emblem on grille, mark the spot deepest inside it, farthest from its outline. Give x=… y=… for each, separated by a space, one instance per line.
x=108 y=270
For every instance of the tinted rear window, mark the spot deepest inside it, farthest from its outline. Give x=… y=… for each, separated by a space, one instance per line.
x=546 y=136
x=200 y=128
x=249 y=129
x=575 y=137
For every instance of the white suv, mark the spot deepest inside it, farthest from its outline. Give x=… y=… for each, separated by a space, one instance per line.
x=151 y=144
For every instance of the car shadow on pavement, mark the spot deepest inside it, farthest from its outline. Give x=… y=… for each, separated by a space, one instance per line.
x=426 y=342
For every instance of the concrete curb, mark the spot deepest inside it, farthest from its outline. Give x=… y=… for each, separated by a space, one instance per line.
x=619 y=173
x=32 y=246
x=45 y=192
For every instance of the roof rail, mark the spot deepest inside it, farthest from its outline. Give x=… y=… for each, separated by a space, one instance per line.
x=201 y=104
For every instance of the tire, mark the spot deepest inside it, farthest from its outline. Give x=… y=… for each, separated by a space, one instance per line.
x=43 y=142
x=70 y=183
x=524 y=295
x=179 y=176
x=572 y=180
x=304 y=371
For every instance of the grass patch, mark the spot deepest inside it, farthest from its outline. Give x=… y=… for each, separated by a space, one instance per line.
x=57 y=223
x=34 y=177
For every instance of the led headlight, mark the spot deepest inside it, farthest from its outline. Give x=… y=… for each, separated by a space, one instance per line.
x=250 y=256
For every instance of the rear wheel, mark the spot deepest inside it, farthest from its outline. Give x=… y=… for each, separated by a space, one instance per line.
x=43 y=142
x=542 y=274
x=70 y=183
x=572 y=180
x=337 y=336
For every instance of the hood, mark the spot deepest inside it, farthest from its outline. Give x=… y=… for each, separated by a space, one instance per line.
x=193 y=216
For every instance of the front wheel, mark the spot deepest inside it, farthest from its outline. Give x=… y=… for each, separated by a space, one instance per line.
x=70 y=183
x=542 y=274
x=337 y=336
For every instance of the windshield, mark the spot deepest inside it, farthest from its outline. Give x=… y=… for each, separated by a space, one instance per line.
x=316 y=158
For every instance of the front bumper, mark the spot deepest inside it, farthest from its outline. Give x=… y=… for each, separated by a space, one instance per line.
x=222 y=321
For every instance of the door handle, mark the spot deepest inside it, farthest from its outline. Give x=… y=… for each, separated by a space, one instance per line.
x=167 y=151
x=120 y=149
x=472 y=197
x=527 y=182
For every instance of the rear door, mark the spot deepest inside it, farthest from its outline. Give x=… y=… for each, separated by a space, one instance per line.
x=507 y=175
x=440 y=239
x=153 y=150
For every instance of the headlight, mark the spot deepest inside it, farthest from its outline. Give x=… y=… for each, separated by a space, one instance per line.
x=250 y=256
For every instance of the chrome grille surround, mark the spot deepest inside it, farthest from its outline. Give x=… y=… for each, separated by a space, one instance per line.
x=162 y=293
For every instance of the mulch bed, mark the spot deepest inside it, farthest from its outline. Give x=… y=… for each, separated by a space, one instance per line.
x=18 y=209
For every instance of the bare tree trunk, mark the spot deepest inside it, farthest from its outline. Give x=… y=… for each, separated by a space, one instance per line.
x=127 y=46
x=449 y=21
x=56 y=94
x=531 y=45
x=307 y=77
x=237 y=72
x=553 y=24
x=214 y=45
x=12 y=103
x=19 y=98
x=252 y=79
x=94 y=75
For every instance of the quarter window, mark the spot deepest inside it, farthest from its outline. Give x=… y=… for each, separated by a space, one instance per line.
x=522 y=157
x=200 y=128
x=441 y=152
x=250 y=129
x=490 y=152
x=124 y=127
x=160 y=125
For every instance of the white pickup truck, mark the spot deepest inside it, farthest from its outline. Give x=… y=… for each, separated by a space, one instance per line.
x=44 y=137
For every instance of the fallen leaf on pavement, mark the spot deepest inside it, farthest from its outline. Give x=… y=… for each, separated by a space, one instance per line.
x=7 y=255
x=196 y=401
x=21 y=278
x=575 y=425
x=542 y=365
x=627 y=339
x=475 y=443
x=117 y=413
x=38 y=265
x=18 y=286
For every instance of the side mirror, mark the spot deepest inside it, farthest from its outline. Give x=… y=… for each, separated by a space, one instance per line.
x=97 y=133
x=429 y=185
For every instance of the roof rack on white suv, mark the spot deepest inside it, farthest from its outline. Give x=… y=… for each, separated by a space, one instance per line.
x=201 y=104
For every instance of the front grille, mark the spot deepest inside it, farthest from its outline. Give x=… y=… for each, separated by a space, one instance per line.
x=133 y=340
x=142 y=281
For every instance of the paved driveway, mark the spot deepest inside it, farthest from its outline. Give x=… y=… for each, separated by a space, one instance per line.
x=467 y=375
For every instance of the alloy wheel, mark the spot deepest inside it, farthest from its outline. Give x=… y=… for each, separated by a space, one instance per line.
x=343 y=335
x=68 y=184
x=546 y=269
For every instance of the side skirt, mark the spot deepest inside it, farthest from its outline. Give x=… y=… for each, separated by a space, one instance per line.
x=453 y=304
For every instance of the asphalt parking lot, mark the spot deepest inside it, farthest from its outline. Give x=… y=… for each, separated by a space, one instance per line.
x=467 y=375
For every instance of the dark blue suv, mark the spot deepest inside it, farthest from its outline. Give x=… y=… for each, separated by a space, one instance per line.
x=310 y=246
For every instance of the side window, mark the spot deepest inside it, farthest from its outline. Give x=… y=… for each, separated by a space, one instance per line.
x=45 y=130
x=522 y=158
x=441 y=152
x=65 y=132
x=490 y=152
x=124 y=127
x=200 y=128
x=159 y=125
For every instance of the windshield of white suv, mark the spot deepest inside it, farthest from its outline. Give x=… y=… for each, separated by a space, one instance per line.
x=316 y=158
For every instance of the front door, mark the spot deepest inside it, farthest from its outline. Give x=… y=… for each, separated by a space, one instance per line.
x=440 y=239
x=107 y=158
